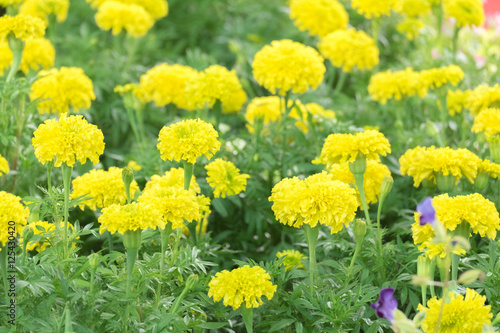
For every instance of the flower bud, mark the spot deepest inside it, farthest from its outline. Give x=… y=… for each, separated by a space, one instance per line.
x=431 y=129
x=359 y=230
x=94 y=260
x=481 y=181
x=127 y=176
x=424 y=266
x=359 y=165
x=132 y=239
x=191 y=281
x=494 y=142
x=471 y=276
x=386 y=186
x=120 y=260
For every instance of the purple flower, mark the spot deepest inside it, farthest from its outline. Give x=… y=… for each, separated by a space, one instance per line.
x=386 y=304
x=427 y=212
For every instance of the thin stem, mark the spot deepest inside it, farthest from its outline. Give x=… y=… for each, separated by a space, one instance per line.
x=359 y=178
x=446 y=268
x=444 y=116
x=49 y=176
x=165 y=237
x=133 y=125
x=340 y=82
x=3 y=267
x=439 y=25
x=217 y=108
x=312 y=239
x=66 y=171
x=493 y=254
x=375 y=29
x=131 y=257
x=247 y=314
x=431 y=271
x=110 y=241
x=455 y=42
x=188 y=174
x=356 y=251
x=17 y=47
x=379 y=228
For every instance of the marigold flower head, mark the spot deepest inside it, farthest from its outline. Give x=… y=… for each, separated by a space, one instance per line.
x=172 y=178
x=60 y=89
x=482 y=97
x=117 y=16
x=130 y=217
x=165 y=84
x=67 y=140
x=317 y=199
x=156 y=8
x=374 y=8
x=489 y=168
x=425 y=162
x=436 y=77
x=487 y=121
x=466 y=12
x=6 y=3
x=134 y=165
x=372 y=180
x=340 y=148
x=105 y=188
x=414 y=8
x=4 y=166
x=410 y=27
x=23 y=27
x=187 y=140
x=216 y=83
x=350 y=48
x=268 y=108
x=316 y=111
x=11 y=209
x=292 y=258
x=389 y=84
x=38 y=52
x=461 y=314
x=287 y=65
x=43 y=8
x=457 y=100
x=320 y=17
x=174 y=205
x=245 y=284
x=225 y=178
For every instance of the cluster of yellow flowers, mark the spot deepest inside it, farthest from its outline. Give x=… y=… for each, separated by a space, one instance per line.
x=374 y=8
x=459 y=314
x=134 y=16
x=104 y=187
x=130 y=217
x=426 y=162
x=320 y=17
x=4 y=165
x=350 y=48
x=172 y=178
x=23 y=27
x=268 y=108
x=225 y=178
x=483 y=97
x=38 y=52
x=407 y=83
x=11 y=209
x=410 y=27
x=340 y=148
x=317 y=199
x=67 y=139
x=43 y=8
x=293 y=258
x=187 y=140
x=245 y=284
x=286 y=65
x=465 y=12
x=60 y=89
x=414 y=8
x=457 y=100
x=487 y=121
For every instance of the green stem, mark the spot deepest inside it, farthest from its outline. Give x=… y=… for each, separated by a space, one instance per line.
x=447 y=263
x=379 y=228
x=17 y=47
x=66 y=171
x=340 y=82
x=454 y=266
x=356 y=252
x=375 y=29
x=331 y=75
x=359 y=178
x=133 y=125
x=50 y=165
x=217 y=108
x=188 y=174
x=424 y=295
x=3 y=267
x=131 y=257
x=493 y=254
x=247 y=314
x=432 y=271
x=312 y=239
x=444 y=116
x=455 y=42
x=439 y=25
x=165 y=237
x=110 y=241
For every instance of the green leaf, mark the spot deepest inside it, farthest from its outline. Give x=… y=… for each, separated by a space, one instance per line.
x=282 y=324
x=212 y=326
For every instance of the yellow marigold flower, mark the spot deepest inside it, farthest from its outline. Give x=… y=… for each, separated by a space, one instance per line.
x=165 y=84
x=466 y=12
x=11 y=209
x=14 y=3
x=436 y=77
x=292 y=258
x=340 y=148
x=317 y=112
x=174 y=205
x=483 y=97
x=373 y=177
x=425 y=162
x=350 y=48
x=213 y=84
x=287 y=65
x=172 y=178
x=40 y=245
x=187 y=140
x=320 y=17
x=134 y=166
x=489 y=168
x=5 y=56
x=126 y=88
x=116 y=16
x=389 y=84
x=225 y=178
x=487 y=121
x=269 y=108
x=23 y=27
x=133 y=216
x=414 y=8
x=318 y=198
x=457 y=101
x=374 y=8
x=204 y=203
x=105 y=188
x=245 y=284
x=43 y=8
x=38 y=53
x=4 y=166
x=67 y=140
x=156 y=8
x=60 y=89
x=461 y=314
x=410 y=27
